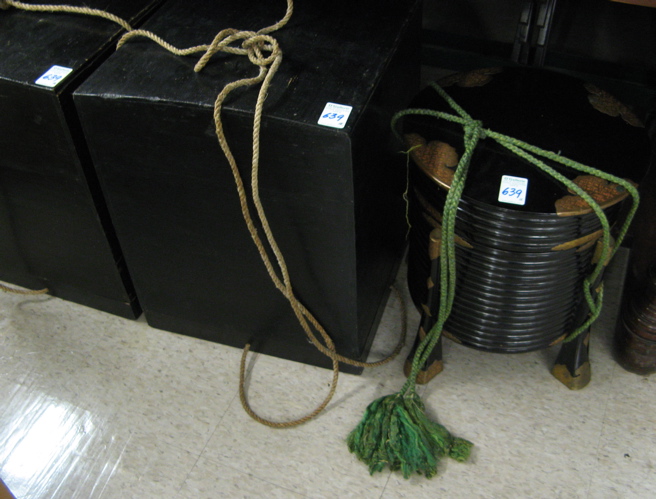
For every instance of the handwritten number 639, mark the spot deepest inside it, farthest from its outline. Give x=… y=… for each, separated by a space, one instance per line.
x=333 y=116
x=511 y=191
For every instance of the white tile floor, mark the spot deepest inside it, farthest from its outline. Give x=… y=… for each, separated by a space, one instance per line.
x=96 y=406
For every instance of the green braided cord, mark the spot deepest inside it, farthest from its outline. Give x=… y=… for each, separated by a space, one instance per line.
x=473 y=131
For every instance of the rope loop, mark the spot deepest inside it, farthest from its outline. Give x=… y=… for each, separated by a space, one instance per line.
x=221 y=43
x=254 y=45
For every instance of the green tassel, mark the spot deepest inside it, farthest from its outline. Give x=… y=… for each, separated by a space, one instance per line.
x=460 y=449
x=395 y=432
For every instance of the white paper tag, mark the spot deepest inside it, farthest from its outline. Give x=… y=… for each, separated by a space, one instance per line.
x=513 y=190
x=335 y=115
x=53 y=76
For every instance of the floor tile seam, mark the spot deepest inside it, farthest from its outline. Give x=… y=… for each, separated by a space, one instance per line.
x=389 y=477
x=211 y=434
x=193 y=466
x=206 y=443
x=229 y=406
x=199 y=454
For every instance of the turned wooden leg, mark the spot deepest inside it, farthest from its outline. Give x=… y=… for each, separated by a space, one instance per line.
x=433 y=365
x=572 y=366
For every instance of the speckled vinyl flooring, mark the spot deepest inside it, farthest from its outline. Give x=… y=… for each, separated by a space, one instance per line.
x=94 y=406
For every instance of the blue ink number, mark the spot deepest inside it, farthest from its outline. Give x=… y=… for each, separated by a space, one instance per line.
x=511 y=191
x=333 y=116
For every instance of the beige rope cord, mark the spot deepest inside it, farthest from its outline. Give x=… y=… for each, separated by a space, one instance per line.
x=332 y=354
x=71 y=9
x=254 y=45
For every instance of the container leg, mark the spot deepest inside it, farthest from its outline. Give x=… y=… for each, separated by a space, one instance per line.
x=432 y=367
x=572 y=366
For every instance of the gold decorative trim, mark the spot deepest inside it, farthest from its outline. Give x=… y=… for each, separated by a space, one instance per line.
x=578 y=380
x=598 y=250
x=435 y=243
x=558 y=340
x=581 y=241
x=436 y=159
x=603 y=192
x=586 y=246
x=434 y=217
x=467 y=79
x=427 y=374
x=606 y=103
x=457 y=239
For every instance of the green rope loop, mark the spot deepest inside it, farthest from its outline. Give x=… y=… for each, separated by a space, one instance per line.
x=473 y=132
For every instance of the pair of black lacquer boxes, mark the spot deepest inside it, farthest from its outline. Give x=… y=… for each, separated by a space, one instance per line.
x=114 y=192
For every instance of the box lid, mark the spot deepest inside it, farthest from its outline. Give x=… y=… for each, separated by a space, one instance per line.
x=546 y=109
x=333 y=52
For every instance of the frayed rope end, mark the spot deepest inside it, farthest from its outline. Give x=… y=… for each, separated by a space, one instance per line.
x=396 y=433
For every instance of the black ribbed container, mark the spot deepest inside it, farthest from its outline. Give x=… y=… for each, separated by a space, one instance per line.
x=520 y=268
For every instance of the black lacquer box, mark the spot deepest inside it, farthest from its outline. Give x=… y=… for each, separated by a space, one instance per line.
x=54 y=228
x=333 y=196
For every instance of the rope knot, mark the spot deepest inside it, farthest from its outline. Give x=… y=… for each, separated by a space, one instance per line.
x=258 y=44
x=474 y=128
x=482 y=133
x=254 y=45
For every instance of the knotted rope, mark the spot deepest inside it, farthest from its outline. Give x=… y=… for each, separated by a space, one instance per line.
x=264 y=52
